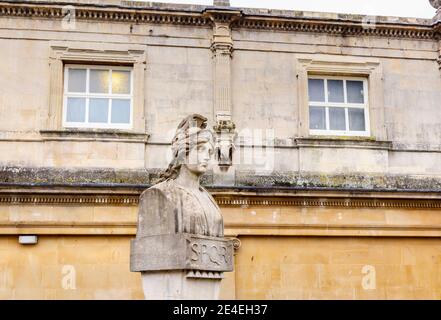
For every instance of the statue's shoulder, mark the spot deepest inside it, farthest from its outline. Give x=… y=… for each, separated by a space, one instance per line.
x=210 y=197
x=157 y=212
x=166 y=188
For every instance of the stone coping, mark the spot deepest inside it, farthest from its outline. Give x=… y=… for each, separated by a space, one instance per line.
x=109 y=178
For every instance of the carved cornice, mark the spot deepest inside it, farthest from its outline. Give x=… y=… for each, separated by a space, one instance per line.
x=233 y=200
x=70 y=199
x=245 y=202
x=338 y=28
x=205 y=16
x=103 y=14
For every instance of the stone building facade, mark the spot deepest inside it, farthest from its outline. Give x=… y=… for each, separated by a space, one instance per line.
x=329 y=144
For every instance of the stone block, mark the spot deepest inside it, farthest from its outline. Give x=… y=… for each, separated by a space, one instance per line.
x=181 y=252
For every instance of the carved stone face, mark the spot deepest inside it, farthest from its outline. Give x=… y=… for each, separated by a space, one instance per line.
x=199 y=158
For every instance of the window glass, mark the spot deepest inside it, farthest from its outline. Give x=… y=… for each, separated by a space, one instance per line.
x=337 y=119
x=356 y=119
x=316 y=89
x=336 y=91
x=120 y=111
x=317 y=118
x=120 y=82
x=355 y=91
x=98 y=110
x=340 y=109
x=76 y=110
x=99 y=81
x=77 y=80
x=98 y=97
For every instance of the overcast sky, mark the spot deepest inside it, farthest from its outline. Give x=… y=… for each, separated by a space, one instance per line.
x=401 y=8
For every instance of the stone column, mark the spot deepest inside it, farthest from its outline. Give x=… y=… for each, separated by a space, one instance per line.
x=222 y=47
x=437 y=25
x=439 y=44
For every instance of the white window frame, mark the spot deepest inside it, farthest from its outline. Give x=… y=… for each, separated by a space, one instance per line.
x=87 y=95
x=345 y=105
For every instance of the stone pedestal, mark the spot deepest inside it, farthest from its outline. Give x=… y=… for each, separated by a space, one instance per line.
x=180 y=285
x=181 y=266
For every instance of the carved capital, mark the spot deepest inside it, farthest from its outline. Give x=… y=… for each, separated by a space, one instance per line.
x=222 y=49
x=225 y=133
x=222 y=41
x=224 y=126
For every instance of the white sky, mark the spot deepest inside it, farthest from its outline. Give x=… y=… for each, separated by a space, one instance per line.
x=400 y=8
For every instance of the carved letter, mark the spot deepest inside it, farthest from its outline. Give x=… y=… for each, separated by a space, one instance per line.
x=195 y=250
x=224 y=254
x=215 y=254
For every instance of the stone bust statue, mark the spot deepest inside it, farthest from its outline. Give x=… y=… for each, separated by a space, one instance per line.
x=192 y=148
x=179 y=247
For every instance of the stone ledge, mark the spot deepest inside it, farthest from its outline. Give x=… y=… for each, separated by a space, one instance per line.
x=109 y=178
x=231 y=230
x=94 y=135
x=32 y=176
x=343 y=142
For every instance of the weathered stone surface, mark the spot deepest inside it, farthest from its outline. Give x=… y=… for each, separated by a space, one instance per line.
x=181 y=252
x=331 y=236
x=141 y=179
x=180 y=227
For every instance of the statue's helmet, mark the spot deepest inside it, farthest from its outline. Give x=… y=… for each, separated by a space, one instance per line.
x=191 y=132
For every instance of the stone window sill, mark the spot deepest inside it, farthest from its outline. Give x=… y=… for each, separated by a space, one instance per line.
x=94 y=135
x=343 y=142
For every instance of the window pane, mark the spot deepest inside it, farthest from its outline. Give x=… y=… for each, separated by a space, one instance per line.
x=98 y=110
x=317 y=118
x=335 y=91
x=99 y=81
x=355 y=91
x=120 y=111
x=356 y=119
x=316 y=89
x=121 y=82
x=76 y=110
x=337 y=119
x=76 y=80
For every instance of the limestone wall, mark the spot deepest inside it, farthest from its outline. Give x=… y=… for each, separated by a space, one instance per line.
x=372 y=233
x=285 y=253
x=179 y=80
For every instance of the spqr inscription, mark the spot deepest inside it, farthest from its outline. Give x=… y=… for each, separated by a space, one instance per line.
x=210 y=253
